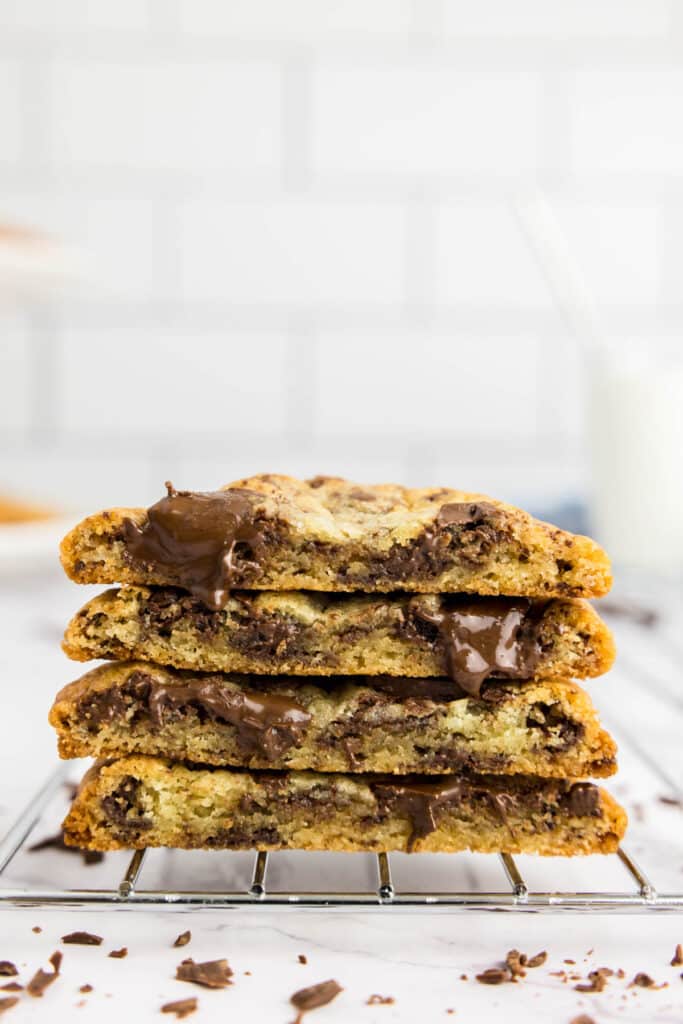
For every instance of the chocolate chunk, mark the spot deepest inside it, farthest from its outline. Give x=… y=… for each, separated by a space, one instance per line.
x=418 y=801
x=181 y=1007
x=123 y=809
x=316 y=995
x=376 y=1000
x=82 y=939
x=205 y=542
x=8 y=1002
x=494 y=976
x=56 y=842
x=183 y=939
x=583 y=800
x=211 y=974
x=8 y=969
x=119 y=954
x=42 y=979
x=483 y=636
x=677 y=959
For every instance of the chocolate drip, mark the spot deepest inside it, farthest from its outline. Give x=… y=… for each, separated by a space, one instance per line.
x=204 y=541
x=419 y=801
x=433 y=689
x=266 y=723
x=484 y=637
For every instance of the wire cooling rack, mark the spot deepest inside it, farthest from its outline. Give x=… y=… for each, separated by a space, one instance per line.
x=641 y=896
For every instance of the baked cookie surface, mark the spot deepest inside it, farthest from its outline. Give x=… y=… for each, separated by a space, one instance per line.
x=279 y=533
x=143 y=801
x=548 y=728
x=469 y=639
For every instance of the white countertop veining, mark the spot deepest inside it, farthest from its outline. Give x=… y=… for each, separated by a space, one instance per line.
x=416 y=958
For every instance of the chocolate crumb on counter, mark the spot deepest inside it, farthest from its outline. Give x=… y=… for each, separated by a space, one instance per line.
x=515 y=961
x=82 y=939
x=583 y=1018
x=211 y=974
x=670 y=801
x=86 y=988
x=677 y=958
x=494 y=976
x=597 y=980
x=538 y=960
x=12 y=986
x=36 y=929
x=311 y=998
x=302 y=959
x=463 y=977
x=42 y=979
x=8 y=1002
x=119 y=954
x=377 y=1000
x=181 y=1007
x=9 y=970
x=182 y=939
x=643 y=980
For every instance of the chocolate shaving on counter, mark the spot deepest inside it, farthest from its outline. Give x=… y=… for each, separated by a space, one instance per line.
x=8 y=969
x=211 y=974
x=538 y=960
x=119 y=954
x=302 y=959
x=181 y=1007
x=182 y=939
x=12 y=986
x=643 y=980
x=8 y=1002
x=82 y=939
x=583 y=1018
x=670 y=801
x=677 y=958
x=597 y=980
x=376 y=1000
x=86 y=988
x=315 y=995
x=203 y=540
x=494 y=976
x=56 y=842
x=42 y=979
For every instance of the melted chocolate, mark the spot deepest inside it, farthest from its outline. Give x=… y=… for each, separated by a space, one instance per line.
x=583 y=800
x=204 y=541
x=432 y=689
x=266 y=723
x=482 y=637
x=419 y=800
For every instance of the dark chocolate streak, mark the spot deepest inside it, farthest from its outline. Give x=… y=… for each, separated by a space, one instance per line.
x=484 y=637
x=266 y=723
x=204 y=541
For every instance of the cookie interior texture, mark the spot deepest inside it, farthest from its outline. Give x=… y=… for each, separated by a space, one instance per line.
x=143 y=801
x=334 y=724
x=333 y=535
x=307 y=633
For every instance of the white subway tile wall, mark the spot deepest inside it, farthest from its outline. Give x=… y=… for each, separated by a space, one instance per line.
x=300 y=242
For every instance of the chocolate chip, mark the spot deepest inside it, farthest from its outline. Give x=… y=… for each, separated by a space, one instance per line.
x=376 y=1000
x=494 y=976
x=8 y=1003
x=211 y=974
x=42 y=979
x=119 y=954
x=8 y=969
x=82 y=939
x=677 y=959
x=181 y=1007
x=315 y=995
x=183 y=939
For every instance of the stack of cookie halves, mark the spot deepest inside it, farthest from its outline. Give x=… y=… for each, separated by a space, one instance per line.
x=329 y=666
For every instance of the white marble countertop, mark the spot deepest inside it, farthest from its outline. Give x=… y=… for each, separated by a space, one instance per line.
x=418 y=959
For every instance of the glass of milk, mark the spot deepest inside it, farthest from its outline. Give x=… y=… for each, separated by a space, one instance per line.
x=635 y=452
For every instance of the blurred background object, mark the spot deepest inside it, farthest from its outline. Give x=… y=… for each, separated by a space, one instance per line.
x=303 y=251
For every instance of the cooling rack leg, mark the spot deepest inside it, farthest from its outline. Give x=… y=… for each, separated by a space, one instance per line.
x=386 y=886
x=517 y=883
x=127 y=883
x=645 y=886
x=258 y=880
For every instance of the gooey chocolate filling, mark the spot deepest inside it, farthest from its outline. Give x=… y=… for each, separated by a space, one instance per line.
x=266 y=723
x=206 y=542
x=481 y=636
